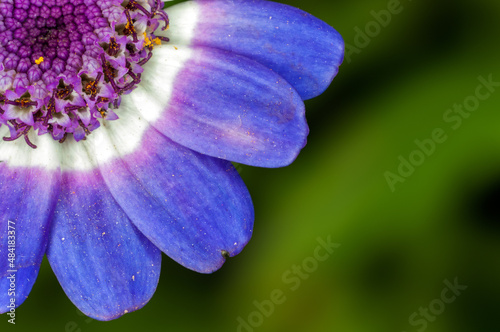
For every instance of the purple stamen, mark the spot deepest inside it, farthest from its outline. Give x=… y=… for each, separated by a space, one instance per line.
x=71 y=108
x=143 y=62
x=132 y=5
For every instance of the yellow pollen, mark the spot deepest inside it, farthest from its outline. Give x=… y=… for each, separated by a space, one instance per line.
x=151 y=42
x=39 y=60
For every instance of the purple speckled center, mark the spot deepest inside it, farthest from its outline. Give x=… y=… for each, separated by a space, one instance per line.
x=64 y=64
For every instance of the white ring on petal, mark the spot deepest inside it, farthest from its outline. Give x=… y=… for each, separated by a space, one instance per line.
x=153 y=94
x=74 y=155
x=19 y=154
x=183 y=21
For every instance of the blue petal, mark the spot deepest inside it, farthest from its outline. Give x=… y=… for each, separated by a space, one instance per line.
x=303 y=49
x=193 y=207
x=223 y=105
x=104 y=264
x=28 y=196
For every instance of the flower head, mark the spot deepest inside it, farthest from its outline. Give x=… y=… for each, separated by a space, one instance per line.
x=66 y=64
x=119 y=121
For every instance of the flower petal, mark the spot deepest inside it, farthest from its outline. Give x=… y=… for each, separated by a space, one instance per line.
x=29 y=185
x=104 y=264
x=193 y=207
x=303 y=49
x=223 y=105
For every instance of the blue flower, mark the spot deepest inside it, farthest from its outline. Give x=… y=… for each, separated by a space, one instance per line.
x=119 y=125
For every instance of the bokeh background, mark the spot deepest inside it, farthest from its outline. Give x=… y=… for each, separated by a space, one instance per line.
x=397 y=246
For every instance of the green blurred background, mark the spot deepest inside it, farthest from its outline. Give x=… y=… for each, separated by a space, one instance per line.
x=397 y=246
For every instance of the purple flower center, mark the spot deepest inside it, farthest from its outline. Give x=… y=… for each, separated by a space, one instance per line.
x=64 y=64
